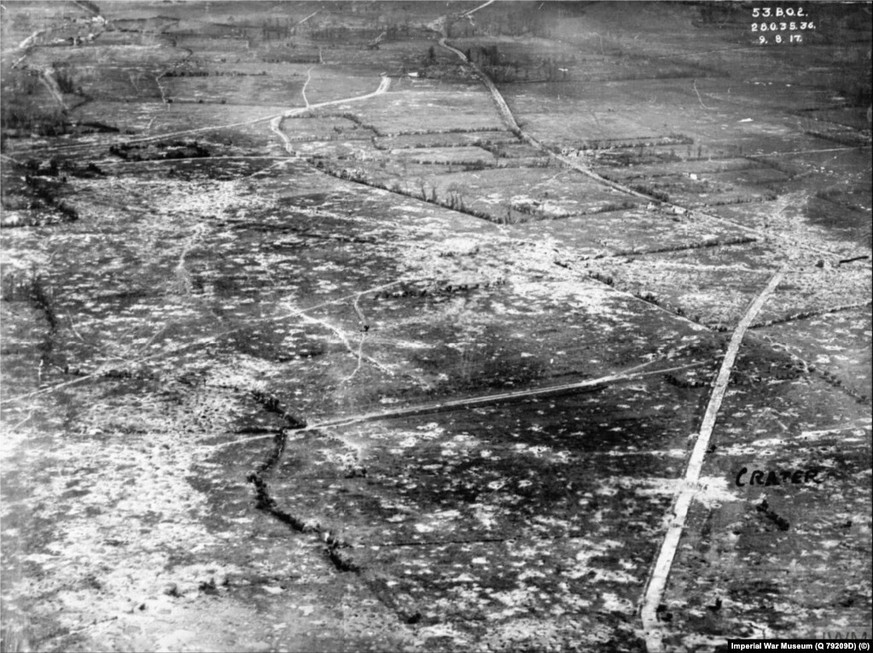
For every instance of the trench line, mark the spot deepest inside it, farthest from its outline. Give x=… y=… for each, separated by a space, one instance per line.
x=200 y=341
x=657 y=583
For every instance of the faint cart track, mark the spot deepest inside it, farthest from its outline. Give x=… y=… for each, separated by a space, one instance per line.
x=657 y=583
x=342 y=338
x=364 y=328
x=48 y=80
x=360 y=360
x=163 y=74
x=699 y=99
x=482 y=6
x=305 y=84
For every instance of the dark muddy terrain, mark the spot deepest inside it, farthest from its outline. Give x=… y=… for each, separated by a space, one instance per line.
x=436 y=327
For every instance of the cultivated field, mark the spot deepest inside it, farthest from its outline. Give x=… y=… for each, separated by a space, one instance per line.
x=419 y=326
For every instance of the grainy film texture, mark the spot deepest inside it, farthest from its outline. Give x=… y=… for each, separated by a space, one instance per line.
x=434 y=326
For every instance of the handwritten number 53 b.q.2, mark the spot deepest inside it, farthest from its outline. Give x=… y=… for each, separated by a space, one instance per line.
x=781 y=19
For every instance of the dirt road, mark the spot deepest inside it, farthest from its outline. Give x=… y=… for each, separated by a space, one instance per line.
x=276 y=121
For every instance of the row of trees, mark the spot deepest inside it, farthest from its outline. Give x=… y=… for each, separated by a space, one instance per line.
x=342 y=33
x=502 y=68
x=516 y=19
x=27 y=106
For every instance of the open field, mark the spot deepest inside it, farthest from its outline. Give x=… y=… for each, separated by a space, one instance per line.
x=402 y=326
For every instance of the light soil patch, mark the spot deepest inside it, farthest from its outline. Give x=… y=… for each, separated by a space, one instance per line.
x=400 y=112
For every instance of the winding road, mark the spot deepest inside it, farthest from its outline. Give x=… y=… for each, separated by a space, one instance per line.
x=276 y=121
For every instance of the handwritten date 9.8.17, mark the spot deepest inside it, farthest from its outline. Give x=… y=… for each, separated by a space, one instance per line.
x=778 y=25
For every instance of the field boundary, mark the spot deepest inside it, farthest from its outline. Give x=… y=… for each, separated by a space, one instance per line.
x=508 y=117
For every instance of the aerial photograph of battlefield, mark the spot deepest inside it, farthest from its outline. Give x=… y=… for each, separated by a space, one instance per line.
x=376 y=326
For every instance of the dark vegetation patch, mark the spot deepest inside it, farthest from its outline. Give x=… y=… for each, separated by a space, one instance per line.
x=837 y=217
x=33 y=192
x=28 y=107
x=160 y=151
